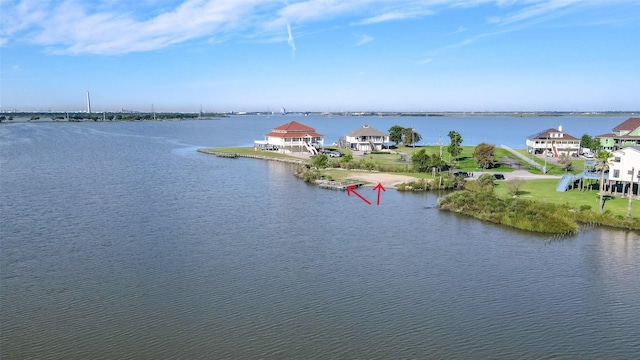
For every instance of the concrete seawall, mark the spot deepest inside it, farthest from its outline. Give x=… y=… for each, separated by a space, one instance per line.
x=232 y=155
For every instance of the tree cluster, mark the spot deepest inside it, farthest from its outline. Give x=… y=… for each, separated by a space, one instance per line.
x=406 y=136
x=484 y=154
x=589 y=142
x=423 y=162
x=455 y=147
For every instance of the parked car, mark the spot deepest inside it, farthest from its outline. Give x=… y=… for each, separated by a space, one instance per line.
x=461 y=173
x=498 y=176
x=335 y=154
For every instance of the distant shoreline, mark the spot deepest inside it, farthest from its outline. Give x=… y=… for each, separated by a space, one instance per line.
x=61 y=116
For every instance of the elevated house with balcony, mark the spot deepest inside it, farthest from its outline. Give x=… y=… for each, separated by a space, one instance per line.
x=366 y=139
x=624 y=170
x=292 y=137
x=553 y=142
x=626 y=134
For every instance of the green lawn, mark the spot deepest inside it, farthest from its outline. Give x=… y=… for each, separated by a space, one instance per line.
x=577 y=165
x=545 y=190
x=539 y=190
x=465 y=160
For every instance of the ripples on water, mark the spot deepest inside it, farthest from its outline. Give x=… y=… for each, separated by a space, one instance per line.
x=120 y=241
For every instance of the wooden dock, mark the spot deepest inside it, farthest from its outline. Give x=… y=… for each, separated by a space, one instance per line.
x=227 y=155
x=335 y=185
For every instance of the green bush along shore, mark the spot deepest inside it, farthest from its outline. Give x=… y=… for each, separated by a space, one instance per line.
x=532 y=205
x=530 y=215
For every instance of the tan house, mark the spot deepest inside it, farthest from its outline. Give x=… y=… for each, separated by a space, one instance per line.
x=553 y=142
x=366 y=139
x=291 y=137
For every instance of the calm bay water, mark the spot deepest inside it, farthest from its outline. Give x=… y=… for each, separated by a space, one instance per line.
x=119 y=240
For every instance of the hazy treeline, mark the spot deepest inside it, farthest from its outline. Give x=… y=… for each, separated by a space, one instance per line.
x=106 y=116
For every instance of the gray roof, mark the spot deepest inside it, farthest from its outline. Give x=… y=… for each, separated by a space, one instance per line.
x=365 y=130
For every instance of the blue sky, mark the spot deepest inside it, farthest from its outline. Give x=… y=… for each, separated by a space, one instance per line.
x=320 y=55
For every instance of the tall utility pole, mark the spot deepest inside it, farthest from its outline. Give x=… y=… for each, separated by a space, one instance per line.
x=630 y=192
x=88 y=103
x=413 y=137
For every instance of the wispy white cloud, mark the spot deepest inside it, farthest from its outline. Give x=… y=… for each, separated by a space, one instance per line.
x=71 y=26
x=363 y=40
x=424 y=61
x=534 y=10
x=318 y=10
x=503 y=3
x=450 y=47
x=402 y=10
x=390 y=16
x=290 y=41
x=120 y=27
x=459 y=30
x=521 y=15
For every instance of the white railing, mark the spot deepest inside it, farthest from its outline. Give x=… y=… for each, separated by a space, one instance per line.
x=524 y=158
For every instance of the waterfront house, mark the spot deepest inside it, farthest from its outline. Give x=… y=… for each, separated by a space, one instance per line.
x=624 y=168
x=624 y=135
x=291 y=137
x=553 y=142
x=366 y=139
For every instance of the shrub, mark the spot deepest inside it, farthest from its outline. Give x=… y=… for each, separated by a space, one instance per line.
x=311 y=175
x=521 y=214
x=420 y=185
x=346 y=158
x=320 y=161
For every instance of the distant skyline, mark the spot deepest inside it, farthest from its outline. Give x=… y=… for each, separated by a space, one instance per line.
x=320 y=55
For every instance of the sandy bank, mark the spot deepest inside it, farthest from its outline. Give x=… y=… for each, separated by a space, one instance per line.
x=387 y=180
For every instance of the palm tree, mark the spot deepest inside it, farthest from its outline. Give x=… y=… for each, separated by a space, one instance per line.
x=602 y=164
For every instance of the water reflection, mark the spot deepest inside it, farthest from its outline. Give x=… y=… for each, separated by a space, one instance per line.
x=116 y=245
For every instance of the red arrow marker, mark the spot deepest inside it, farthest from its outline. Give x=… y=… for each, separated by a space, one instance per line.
x=350 y=190
x=379 y=187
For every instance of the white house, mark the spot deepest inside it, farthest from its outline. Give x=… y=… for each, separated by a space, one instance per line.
x=291 y=137
x=366 y=139
x=624 y=165
x=553 y=142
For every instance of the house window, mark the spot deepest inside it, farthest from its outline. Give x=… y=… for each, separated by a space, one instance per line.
x=629 y=172
x=616 y=173
x=616 y=159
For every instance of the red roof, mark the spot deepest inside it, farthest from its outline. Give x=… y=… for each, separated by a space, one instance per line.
x=293 y=126
x=293 y=129
x=629 y=125
x=609 y=135
x=293 y=135
x=546 y=135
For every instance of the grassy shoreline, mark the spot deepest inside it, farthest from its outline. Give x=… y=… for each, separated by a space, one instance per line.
x=530 y=215
x=538 y=196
